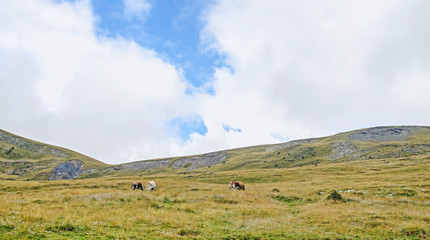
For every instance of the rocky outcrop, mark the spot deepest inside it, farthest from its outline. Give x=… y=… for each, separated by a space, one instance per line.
x=385 y=134
x=201 y=161
x=67 y=170
x=191 y=163
x=341 y=149
x=140 y=166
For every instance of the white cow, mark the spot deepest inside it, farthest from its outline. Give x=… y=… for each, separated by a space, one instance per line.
x=150 y=186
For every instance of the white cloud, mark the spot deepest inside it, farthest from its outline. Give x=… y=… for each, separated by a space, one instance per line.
x=60 y=83
x=303 y=69
x=139 y=9
x=297 y=70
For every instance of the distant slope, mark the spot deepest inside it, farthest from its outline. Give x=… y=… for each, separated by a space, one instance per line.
x=358 y=145
x=25 y=158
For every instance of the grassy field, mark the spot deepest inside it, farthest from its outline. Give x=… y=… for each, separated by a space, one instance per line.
x=383 y=199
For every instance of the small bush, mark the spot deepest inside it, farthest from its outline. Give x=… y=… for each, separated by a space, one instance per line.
x=335 y=196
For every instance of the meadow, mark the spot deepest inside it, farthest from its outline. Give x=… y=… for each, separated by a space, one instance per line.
x=382 y=199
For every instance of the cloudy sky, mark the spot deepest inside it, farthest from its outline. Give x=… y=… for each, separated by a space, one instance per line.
x=141 y=79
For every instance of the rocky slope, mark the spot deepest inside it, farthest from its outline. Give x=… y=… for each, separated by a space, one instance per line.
x=182 y=163
x=364 y=144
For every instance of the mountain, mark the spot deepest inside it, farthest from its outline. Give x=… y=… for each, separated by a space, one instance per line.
x=25 y=158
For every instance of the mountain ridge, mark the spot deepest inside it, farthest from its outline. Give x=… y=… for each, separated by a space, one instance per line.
x=25 y=158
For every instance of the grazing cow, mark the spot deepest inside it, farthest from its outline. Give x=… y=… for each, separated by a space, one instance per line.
x=236 y=185
x=137 y=185
x=150 y=186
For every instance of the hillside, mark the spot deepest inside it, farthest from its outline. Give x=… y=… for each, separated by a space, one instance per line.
x=358 y=145
x=20 y=157
x=29 y=159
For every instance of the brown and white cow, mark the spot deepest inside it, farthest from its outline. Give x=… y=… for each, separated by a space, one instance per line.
x=136 y=185
x=236 y=185
x=150 y=186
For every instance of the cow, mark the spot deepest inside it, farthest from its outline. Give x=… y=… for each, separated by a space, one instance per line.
x=136 y=185
x=150 y=186
x=236 y=185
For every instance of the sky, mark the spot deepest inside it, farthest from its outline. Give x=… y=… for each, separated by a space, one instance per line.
x=132 y=80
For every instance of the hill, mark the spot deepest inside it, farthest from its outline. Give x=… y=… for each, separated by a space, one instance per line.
x=25 y=158
x=358 y=145
x=29 y=159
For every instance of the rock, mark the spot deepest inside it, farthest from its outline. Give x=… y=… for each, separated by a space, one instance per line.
x=201 y=161
x=140 y=166
x=384 y=134
x=67 y=170
x=341 y=149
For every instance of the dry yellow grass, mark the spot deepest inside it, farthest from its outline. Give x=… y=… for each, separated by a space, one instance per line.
x=382 y=200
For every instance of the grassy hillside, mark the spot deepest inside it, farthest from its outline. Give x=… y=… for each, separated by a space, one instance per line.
x=28 y=159
x=24 y=158
x=359 y=145
x=382 y=199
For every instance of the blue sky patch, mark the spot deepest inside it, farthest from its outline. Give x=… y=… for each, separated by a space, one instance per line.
x=228 y=128
x=184 y=127
x=171 y=28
